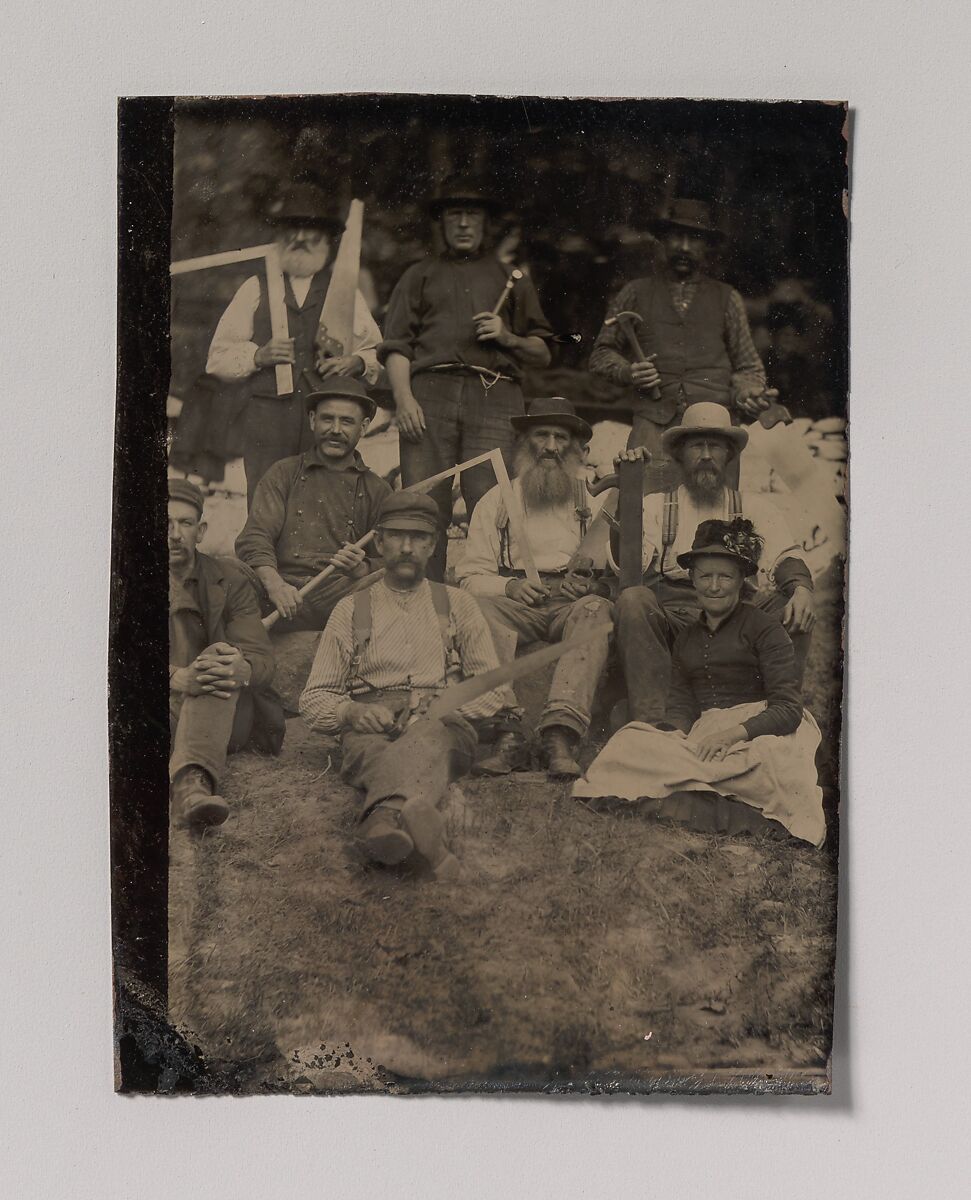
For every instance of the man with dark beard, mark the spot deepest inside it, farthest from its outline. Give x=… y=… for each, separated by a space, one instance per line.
x=558 y=510
x=694 y=332
x=243 y=347
x=649 y=617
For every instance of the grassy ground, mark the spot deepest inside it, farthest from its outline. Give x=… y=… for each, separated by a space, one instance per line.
x=578 y=944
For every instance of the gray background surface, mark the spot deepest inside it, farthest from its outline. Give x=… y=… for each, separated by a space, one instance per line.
x=895 y=1122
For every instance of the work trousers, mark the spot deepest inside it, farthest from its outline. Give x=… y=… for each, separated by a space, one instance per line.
x=317 y=605
x=204 y=729
x=462 y=420
x=419 y=765
x=275 y=427
x=577 y=674
x=646 y=629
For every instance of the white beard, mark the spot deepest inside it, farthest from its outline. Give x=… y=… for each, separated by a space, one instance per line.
x=301 y=264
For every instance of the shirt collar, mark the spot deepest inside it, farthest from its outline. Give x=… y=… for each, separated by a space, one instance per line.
x=732 y=616
x=313 y=458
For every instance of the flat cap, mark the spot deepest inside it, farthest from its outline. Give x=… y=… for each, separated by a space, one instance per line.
x=409 y=510
x=182 y=489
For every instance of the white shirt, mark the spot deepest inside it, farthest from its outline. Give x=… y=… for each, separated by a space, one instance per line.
x=769 y=524
x=553 y=534
x=231 y=354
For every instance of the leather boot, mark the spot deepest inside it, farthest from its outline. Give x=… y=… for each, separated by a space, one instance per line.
x=383 y=836
x=559 y=744
x=193 y=801
x=510 y=752
x=426 y=825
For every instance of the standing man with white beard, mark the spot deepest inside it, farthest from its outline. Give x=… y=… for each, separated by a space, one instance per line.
x=705 y=445
x=558 y=510
x=243 y=347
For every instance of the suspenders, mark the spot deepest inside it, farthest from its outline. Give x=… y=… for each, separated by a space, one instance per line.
x=669 y=519
x=361 y=624
x=581 y=506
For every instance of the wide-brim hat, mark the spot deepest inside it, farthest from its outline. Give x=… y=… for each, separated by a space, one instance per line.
x=409 y=510
x=705 y=419
x=463 y=189
x=736 y=540
x=305 y=204
x=694 y=215
x=337 y=389
x=552 y=410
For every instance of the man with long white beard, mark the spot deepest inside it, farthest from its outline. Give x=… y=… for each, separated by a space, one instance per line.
x=649 y=617
x=558 y=510
x=243 y=347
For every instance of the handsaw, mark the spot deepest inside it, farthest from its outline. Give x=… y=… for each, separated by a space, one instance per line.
x=459 y=694
x=337 y=315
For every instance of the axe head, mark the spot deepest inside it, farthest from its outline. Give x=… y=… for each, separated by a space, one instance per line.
x=624 y=316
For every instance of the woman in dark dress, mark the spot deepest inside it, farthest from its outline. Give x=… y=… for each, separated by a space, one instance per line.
x=735 y=726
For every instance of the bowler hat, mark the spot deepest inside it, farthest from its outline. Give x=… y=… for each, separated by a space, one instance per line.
x=337 y=389
x=736 y=540
x=552 y=410
x=182 y=489
x=462 y=189
x=305 y=204
x=409 y=510
x=708 y=419
x=687 y=214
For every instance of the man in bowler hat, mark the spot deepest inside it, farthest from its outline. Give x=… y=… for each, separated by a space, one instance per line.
x=453 y=364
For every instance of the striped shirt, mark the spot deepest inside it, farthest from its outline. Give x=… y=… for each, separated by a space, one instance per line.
x=405 y=650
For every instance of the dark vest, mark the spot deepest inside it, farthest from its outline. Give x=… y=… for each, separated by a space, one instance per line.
x=692 y=358
x=302 y=322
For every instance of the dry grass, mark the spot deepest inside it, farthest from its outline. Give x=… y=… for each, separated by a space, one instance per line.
x=578 y=944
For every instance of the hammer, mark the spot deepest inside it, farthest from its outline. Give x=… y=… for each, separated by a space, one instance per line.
x=510 y=284
x=623 y=320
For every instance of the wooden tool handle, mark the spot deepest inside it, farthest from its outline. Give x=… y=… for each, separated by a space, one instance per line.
x=630 y=513
x=271 y=620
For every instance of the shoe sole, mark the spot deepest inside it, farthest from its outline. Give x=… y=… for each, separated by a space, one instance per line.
x=207 y=814
x=389 y=848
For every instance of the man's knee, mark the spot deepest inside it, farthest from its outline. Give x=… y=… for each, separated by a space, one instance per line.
x=637 y=604
x=592 y=609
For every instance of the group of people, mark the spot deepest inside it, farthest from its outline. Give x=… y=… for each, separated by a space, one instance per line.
x=710 y=643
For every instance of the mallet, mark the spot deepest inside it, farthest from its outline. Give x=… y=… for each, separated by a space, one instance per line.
x=509 y=285
x=623 y=320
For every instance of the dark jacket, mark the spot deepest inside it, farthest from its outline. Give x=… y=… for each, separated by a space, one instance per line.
x=231 y=614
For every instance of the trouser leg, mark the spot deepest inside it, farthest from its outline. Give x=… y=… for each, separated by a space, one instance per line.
x=662 y=473
x=418 y=767
x=577 y=674
x=439 y=449
x=511 y=624
x=201 y=729
x=645 y=632
x=274 y=429
x=484 y=418
x=774 y=604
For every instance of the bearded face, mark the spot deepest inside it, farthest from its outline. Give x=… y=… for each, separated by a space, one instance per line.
x=546 y=471
x=703 y=463
x=303 y=252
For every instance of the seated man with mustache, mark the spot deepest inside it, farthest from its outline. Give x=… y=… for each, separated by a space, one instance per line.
x=243 y=348
x=558 y=511
x=309 y=509
x=649 y=617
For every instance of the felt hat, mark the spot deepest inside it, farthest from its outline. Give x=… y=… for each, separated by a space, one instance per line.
x=708 y=419
x=337 y=389
x=305 y=204
x=552 y=410
x=182 y=489
x=462 y=189
x=409 y=510
x=736 y=540
x=694 y=215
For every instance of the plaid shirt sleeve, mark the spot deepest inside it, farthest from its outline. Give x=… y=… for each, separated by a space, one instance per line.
x=748 y=373
x=608 y=358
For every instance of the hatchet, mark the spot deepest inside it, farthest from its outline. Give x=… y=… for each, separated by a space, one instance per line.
x=623 y=320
